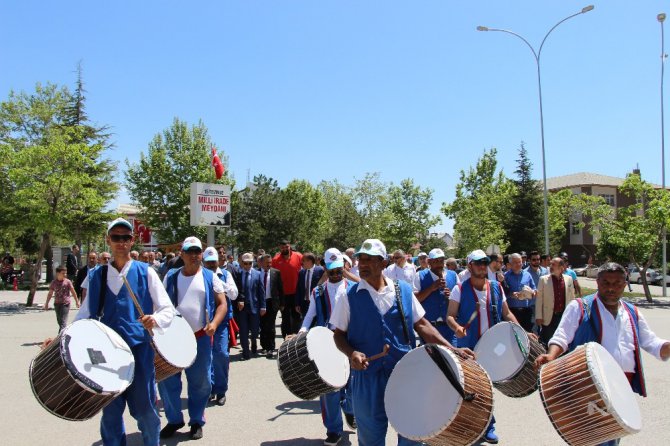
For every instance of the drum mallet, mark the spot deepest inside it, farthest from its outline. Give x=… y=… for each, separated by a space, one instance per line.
x=380 y=355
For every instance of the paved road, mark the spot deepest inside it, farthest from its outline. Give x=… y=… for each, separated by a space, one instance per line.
x=260 y=411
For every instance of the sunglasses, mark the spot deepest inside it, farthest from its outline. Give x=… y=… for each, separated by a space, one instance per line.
x=480 y=262
x=247 y=263
x=335 y=272
x=118 y=238
x=192 y=251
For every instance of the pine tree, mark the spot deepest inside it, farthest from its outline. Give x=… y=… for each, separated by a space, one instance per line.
x=525 y=227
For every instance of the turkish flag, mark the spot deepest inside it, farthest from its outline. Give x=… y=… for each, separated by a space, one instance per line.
x=218 y=165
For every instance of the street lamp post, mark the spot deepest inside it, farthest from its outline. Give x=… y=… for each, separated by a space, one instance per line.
x=661 y=18
x=537 y=55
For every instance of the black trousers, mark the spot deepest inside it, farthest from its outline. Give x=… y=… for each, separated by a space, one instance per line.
x=290 y=319
x=268 y=330
x=525 y=316
x=547 y=331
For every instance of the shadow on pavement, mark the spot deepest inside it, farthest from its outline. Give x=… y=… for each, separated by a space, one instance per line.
x=302 y=441
x=31 y=344
x=304 y=407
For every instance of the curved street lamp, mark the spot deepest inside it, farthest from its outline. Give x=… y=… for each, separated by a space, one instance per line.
x=537 y=54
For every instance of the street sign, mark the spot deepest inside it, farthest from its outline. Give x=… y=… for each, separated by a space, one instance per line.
x=210 y=204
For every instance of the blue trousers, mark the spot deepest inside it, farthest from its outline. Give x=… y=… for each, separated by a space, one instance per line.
x=140 y=397
x=199 y=388
x=610 y=443
x=332 y=405
x=220 y=360
x=368 y=397
x=248 y=321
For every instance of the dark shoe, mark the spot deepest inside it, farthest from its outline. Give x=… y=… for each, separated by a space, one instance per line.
x=196 y=432
x=244 y=358
x=490 y=436
x=220 y=400
x=170 y=429
x=269 y=354
x=262 y=352
x=351 y=420
x=332 y=439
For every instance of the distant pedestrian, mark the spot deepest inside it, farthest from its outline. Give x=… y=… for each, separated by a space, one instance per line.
x=72 y=263
x=63 y=292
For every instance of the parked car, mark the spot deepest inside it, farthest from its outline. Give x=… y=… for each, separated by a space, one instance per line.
x=635 y=275
x=592 y=271
x=658 y=280
x=581 y=271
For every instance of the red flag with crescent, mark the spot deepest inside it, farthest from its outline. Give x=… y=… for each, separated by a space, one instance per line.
x=218 y=165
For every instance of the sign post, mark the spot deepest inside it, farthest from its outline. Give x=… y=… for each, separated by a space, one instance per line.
x=210 y=206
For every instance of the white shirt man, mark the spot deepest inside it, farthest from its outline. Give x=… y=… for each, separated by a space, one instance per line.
x=191 y=297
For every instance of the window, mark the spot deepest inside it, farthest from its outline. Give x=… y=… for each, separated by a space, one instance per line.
x=609 y=198
x=575 y=228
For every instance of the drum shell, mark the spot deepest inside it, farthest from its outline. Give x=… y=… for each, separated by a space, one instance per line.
x=572 y=399
x=61 y=393
x=162 y=363
x=298 y=372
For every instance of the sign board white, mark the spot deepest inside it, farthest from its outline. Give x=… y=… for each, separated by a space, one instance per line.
x=210 y=204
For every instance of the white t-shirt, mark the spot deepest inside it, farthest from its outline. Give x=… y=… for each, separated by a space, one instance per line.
x=616 y=332
x=481 y=297
x=191 y=297
x=383 y=300
x=405 y=273
x=336 y=291
x=229 y=285
x=465 y=275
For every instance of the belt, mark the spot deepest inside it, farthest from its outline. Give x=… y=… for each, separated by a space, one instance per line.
x=438 y=323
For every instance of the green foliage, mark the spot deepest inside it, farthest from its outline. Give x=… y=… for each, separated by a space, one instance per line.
x=304 y=218
x=371 y=199
x=482 y=205
x=525 y=230
x=345 y=226
x=566 y=208
x=160 y=182
x=408 y=205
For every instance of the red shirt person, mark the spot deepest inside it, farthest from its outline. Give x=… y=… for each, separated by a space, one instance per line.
x=289 y=263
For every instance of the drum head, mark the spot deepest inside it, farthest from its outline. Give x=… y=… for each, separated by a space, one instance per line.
x=97 y=356
x=420 y=402
x=177 y=344
x=333 y=365
x=498 y=351
x=614 y=387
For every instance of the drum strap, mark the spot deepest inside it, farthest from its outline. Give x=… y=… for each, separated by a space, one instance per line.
x=103 y=291
x=398 y=301
x=434 y=353
x=494 y=300
x=323 y=295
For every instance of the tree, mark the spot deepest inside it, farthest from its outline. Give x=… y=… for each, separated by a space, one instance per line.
x=635 y=232
x=160 y=182
x=48 y=167
x=567 y=210
x=408 y=205
x=305 y=217
x=526 y=227
x=482 y=205
x=345 y=226
x=371 y=199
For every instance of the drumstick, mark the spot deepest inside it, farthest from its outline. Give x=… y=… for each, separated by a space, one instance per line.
x=472 y=318
x=380 y=355
x=137 y=304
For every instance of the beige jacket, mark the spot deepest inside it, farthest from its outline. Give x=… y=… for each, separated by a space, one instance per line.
x=544 y=304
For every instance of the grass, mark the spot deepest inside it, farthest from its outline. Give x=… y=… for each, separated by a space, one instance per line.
x=588 y=291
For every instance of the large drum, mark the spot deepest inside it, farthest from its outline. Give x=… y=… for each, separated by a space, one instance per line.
x=422 y=404
x=82 y=370
x=588 y=397
x=508 y=355
x=311 y=365
x=175 y=348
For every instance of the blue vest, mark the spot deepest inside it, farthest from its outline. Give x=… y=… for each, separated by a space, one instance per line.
x=368 y=330
x=436 y=305
x=207 y=275
x=590 y=330
x=119 y=312
x=229 y=314
x=469 y=304
x=323 y=314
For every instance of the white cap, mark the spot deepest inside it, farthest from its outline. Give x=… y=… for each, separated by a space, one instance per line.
x=247 y=257
x=191 y=242
x=477 y=255
x=210 y=255
x=423 y=254
x=120 y=222
x=333 y=258
x=346 y=258
x=372 y=247
x=436 y=253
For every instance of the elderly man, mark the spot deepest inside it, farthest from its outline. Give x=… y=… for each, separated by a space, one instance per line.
x=377 y=301
x=434 y=286
x=400 y=269
x=554 y=293
x=522 y=292
x=617 y=325
x=250 y=304
x=199 y=296
x=422 y=257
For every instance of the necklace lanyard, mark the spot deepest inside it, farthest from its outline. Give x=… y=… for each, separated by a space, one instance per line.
x=488 y=304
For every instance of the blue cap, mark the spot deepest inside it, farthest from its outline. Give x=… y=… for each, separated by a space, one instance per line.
x=333 y=258
x=120 y=222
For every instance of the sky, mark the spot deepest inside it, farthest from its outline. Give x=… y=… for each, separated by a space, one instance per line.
x=324 y=89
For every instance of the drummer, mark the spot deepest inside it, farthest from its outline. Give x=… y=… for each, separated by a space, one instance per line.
x=434 y=286
x=617 y=325
x=199 y=296
x=120 y=315
x=474 y=306
x=321 y=302
x=367 y=320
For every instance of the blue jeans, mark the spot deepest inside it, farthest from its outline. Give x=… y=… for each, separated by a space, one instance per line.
x=368 y=396
x=141 y=397
x=220 y=360
x=332 y=406
x=199 y=387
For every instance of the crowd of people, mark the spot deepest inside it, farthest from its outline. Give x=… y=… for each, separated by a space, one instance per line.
x=368 y=298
